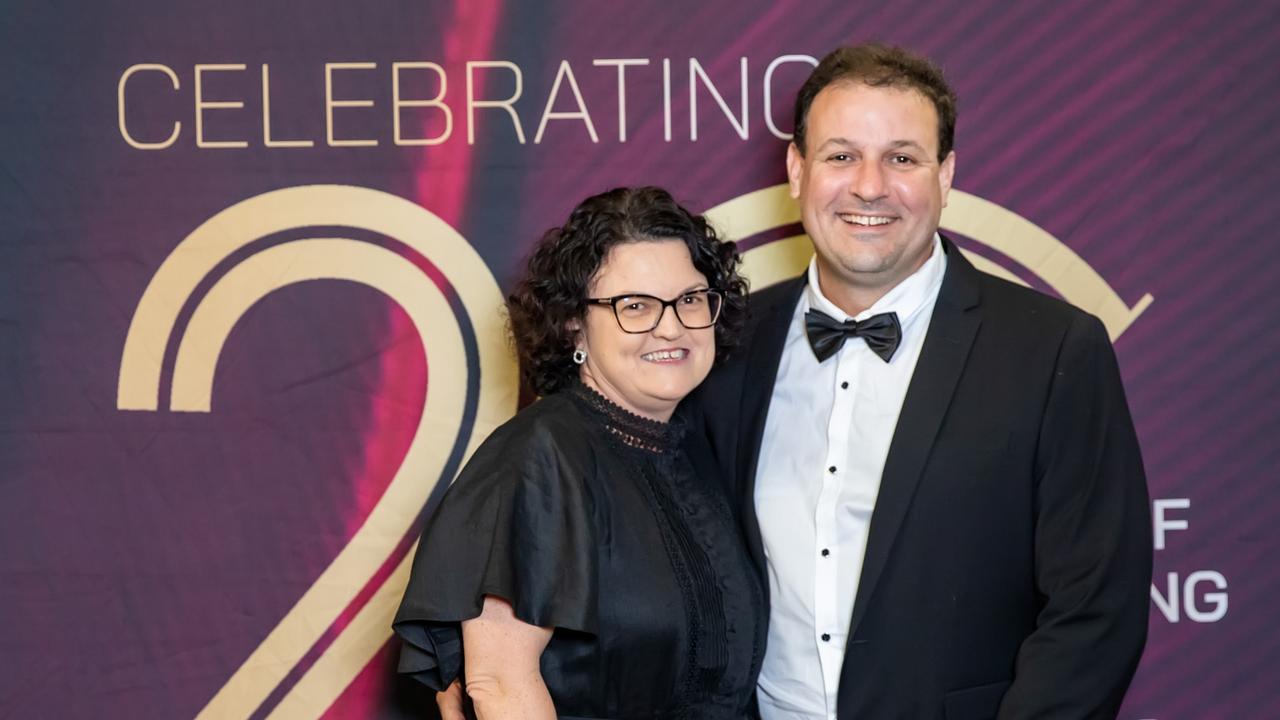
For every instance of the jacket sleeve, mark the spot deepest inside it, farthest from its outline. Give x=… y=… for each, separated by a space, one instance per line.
x=1092 y=542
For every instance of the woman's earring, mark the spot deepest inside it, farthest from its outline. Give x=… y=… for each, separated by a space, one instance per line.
x=579 y=356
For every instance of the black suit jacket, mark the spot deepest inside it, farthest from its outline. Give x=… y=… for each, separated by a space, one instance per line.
x=1008 y=564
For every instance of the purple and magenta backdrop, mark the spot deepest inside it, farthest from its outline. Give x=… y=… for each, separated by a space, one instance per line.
x=235 y=554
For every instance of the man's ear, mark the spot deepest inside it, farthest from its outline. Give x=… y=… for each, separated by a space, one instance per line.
x=795 y=168
x=946 y=173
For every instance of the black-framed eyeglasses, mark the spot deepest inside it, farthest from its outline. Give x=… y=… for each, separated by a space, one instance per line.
x=638 y=313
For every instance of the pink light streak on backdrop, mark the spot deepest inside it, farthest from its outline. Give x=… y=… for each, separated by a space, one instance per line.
x=469 y=35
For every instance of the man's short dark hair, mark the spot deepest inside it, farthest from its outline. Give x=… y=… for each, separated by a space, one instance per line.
x=552 y=294
x=877 y=65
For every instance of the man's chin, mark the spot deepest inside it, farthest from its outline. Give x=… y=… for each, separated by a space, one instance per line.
x=859 y=268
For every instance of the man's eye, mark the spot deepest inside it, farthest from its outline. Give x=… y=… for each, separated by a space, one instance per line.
x=903 y=160
x=840 y=157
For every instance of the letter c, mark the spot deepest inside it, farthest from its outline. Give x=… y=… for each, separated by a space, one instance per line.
x=124 y=130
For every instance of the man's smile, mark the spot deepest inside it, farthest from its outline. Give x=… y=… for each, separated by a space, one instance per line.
x=866 y=220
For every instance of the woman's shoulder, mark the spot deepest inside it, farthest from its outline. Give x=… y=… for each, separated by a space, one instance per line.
x=552 y=420
x=546 y=441
x=517 y=523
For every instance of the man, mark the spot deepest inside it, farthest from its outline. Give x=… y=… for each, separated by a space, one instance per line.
x=937 y=468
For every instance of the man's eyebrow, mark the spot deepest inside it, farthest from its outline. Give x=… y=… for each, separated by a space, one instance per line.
x=838 y=141
x=846 y=143
x=905 y=143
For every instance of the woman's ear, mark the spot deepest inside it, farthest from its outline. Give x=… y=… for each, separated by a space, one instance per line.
x=574 y=328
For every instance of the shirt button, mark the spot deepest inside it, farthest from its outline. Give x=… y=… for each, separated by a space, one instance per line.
x=831 y=469
x=826 y=637
x=844 y=385
x=825 y=552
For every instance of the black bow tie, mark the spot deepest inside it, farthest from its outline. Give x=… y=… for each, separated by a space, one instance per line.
x=826 y=334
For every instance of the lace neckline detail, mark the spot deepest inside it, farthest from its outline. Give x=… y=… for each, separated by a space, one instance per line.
x=628 y=428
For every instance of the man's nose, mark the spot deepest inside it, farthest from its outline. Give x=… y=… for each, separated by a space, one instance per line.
x=867 y=182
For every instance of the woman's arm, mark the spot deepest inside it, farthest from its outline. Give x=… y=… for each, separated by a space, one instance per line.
x=501 y=654
x=449 y=702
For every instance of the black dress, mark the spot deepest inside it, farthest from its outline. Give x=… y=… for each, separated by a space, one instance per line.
x=592 y=520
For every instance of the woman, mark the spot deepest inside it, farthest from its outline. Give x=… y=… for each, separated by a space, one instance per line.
x=586 y=563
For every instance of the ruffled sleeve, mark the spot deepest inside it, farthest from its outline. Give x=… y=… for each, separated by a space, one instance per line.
x=517 y=525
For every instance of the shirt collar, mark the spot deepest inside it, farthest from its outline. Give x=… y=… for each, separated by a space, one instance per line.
x=906 y=298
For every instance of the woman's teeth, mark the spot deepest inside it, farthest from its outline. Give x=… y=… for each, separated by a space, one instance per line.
x=659 y=355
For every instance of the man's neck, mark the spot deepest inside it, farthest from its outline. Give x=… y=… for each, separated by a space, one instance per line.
x=849 y=298
x=855 y=295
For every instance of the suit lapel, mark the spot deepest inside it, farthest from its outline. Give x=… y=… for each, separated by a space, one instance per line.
x=764 y=352
x=955 y=322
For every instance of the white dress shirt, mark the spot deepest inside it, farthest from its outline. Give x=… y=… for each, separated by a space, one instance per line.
x=824 y=447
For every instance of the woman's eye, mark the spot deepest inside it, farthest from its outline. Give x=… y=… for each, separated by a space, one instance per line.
x=692 y=300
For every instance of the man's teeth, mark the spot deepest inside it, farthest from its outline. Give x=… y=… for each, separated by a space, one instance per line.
x=865 y=220
x=666 y=355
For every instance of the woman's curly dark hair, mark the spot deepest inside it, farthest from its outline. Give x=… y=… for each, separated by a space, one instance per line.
x=553 y=290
